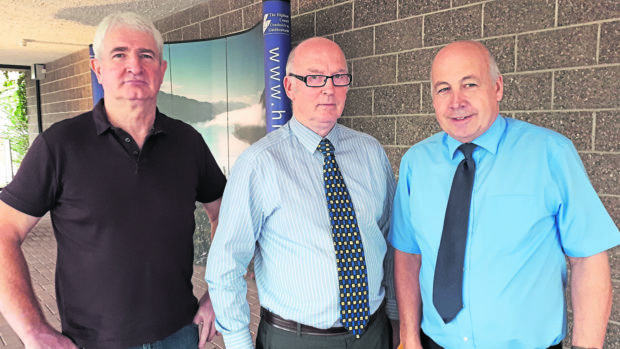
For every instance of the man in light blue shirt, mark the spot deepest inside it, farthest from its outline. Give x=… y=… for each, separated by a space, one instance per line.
x=274 y=208
x=532 y=205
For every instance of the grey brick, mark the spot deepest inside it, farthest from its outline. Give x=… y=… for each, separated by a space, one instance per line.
x=445 y=27
x=334 y=20
x=399 y=36
x=577 y=126
x=395 y=154
x=413 y=129
x=503 y=50
x=232 y=22
x=210 y=28
x=517 y=16
x=357 y=43
x=527 y=92
x=587 y=88
x=369 y=12
x=382 y=128
x=374 y=71
x=313 y=5
x=302 y=27
x=359 y=102
x=218 y=7
x=604 y=172
x=407 y=8
x=191 y=32
x=397 y=99
x=573 y=12
x=416 y=65
x=252 y=15
x=557 y=49
x=199 y=13
x=610 y=39
x=612 y=204
x=607 y=136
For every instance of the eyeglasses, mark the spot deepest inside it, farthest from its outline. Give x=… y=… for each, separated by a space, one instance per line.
x=321 y=80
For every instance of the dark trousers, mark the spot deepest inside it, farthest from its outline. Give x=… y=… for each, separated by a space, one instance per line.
x=428 y=343
x=377 y=336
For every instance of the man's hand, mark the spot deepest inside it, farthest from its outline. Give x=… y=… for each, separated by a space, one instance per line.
x=48 y=338
x=205 y=318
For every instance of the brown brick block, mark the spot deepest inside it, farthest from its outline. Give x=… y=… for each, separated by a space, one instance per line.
x=445 y=27
x=517 y=16
x=577 y=126
x=587 y=88
x=307 y=6
x=344 y=121
x=252 y=15
x=427 y=99
x=557 y=49
x=399 y=36
x=607 y=136
x=181 y=18
x=604 y=172
x=369 y=12
x=236 y=4
x=356 y=43
x=334 y=19
x=232 y=22
x=210 y=28
x=416 y=65
x=174 y=36
x=382 y=128
x=573 y=12
x=164 y=25
x=612 y=204
x=191 y=32
x=527 y=91
x=503 y=50
x=397 y=99
x=395 y=154
x=610 y=39
x=199 y=13
x=374 y=71
x=407 y=8
x=413 y=129
x=359 y=102
x=218 y=7
x=302 y=27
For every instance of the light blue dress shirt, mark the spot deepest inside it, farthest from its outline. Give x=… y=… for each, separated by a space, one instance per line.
x=532 y=203
x=274 y=208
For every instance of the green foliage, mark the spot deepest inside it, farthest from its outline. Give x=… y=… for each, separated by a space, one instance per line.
x=13 y=104
x=202 y=235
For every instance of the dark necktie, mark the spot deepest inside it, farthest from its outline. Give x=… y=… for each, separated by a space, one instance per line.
x=448 y=282
x=354 y=308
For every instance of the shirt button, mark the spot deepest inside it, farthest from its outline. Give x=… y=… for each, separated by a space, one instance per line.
x=465 y=339
x=128 y=140
x=135 y=152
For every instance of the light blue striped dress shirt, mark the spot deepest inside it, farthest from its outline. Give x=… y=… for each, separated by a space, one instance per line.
x=274 y=208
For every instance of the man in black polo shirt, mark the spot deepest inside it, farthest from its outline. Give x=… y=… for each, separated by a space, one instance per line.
x=120 y=183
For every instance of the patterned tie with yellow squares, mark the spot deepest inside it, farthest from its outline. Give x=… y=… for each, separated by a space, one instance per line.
x=352 y=275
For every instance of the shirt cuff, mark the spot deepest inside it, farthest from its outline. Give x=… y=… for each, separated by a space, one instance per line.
x=391 y=309
x=238 y=340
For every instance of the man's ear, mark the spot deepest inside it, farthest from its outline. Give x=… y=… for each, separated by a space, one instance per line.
x=499 y=88
x=95 y=66
x=288 y=88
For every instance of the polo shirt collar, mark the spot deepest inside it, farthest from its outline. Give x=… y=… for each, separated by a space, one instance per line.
x=489 y=140
x=309 y=139
x=102 y=124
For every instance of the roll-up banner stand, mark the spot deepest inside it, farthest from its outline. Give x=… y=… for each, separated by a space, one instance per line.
x=96 y=86
x=277 y=40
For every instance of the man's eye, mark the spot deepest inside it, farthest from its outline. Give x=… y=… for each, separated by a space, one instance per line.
x=315 y=77
x=443 y=90
x=147 y=56
x=471 y=84
x=118 y=55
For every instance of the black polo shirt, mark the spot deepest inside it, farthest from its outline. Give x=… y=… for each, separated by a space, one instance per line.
x=124 y=222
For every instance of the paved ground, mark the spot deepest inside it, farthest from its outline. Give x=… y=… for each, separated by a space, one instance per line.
x=40 y=251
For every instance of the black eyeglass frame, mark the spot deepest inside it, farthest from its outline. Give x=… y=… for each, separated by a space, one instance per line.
x=305 y=79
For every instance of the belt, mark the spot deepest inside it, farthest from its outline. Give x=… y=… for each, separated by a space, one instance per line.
x=292 y=326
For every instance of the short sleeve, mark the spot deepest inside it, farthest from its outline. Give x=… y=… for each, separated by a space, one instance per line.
x=402 y=235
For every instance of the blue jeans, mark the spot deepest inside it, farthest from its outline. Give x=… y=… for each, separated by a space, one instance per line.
x=185 y=338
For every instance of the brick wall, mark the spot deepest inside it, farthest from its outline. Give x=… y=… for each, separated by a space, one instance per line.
x=560 y=61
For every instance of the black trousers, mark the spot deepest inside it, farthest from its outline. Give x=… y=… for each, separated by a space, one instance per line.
x=428 y=343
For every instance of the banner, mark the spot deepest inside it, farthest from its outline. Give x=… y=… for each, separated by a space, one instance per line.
x=277 y=42
x=96 y=86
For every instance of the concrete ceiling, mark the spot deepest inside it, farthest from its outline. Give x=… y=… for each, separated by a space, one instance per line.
x=41 y=31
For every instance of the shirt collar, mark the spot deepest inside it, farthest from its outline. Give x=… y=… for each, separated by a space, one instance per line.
x=489 y=140
x=309 y=139
x=102 y=124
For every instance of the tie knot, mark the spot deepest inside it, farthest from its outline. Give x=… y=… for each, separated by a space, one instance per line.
x=467 y=149
x=326 y=147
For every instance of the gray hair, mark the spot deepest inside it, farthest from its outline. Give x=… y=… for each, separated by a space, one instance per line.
x=129 y=20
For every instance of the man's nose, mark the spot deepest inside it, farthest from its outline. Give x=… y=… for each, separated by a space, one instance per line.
x=329 y=87
x=458 y=99
x=134 y=64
